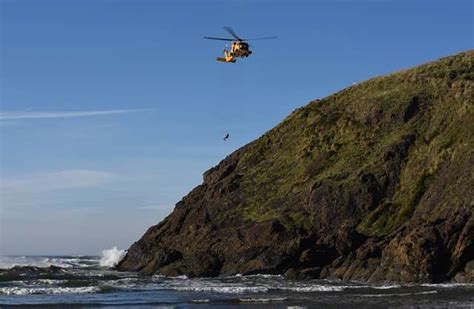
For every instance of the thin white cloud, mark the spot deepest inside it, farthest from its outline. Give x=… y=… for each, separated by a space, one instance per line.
x=62 y=180
x=53 y=115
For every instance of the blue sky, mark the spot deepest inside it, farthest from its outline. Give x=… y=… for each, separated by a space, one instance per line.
x=112 y=110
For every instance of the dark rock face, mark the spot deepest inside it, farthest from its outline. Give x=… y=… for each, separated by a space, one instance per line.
x=372 y=183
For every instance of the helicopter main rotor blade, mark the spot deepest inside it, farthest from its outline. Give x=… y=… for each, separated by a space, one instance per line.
x=264 y=38
x=232 y=33
x=220 y=39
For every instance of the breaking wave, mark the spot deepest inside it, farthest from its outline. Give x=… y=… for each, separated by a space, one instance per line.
x=92 y=280
x=111 y=257
x=9 y=262
x=42 y=290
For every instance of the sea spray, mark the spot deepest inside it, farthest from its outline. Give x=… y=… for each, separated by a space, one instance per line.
x=111 y=257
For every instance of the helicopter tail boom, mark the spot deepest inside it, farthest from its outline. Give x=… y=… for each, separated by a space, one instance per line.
x=223 y=59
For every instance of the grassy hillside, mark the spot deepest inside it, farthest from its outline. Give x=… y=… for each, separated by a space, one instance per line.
x=374 y=182
x=353 y=132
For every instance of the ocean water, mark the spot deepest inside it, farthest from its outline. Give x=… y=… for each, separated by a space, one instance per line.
x=84 y=281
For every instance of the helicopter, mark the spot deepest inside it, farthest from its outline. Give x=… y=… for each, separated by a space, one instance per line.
x=239 y=48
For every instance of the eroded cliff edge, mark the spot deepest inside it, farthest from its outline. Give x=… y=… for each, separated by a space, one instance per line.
x=375 y=182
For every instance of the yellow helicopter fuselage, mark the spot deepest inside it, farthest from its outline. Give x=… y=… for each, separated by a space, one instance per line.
x=237 y=49
x=240 y=49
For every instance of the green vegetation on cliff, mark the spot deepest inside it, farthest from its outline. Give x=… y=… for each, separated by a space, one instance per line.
x=354 y=131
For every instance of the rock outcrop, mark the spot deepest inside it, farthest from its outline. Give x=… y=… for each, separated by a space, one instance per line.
x=375 y=182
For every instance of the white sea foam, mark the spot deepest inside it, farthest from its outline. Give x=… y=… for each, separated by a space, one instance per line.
x=266 y=276
x=56 y=290
x=376 y=287
x=132 y=284
x=239 y=289
x=399 y=294
x=447 y=285
x=384 y=287
x=161 y=278
x=312 y=288
x=111 y=257
x=50 y=281
x=263 y=300
x=8 y=262
x=21 y=261
x=205 y=285
x=200 y=300
x=182 y=277
x=222 y=289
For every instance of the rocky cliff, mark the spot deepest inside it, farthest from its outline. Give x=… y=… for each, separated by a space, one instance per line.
x=375 y=182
